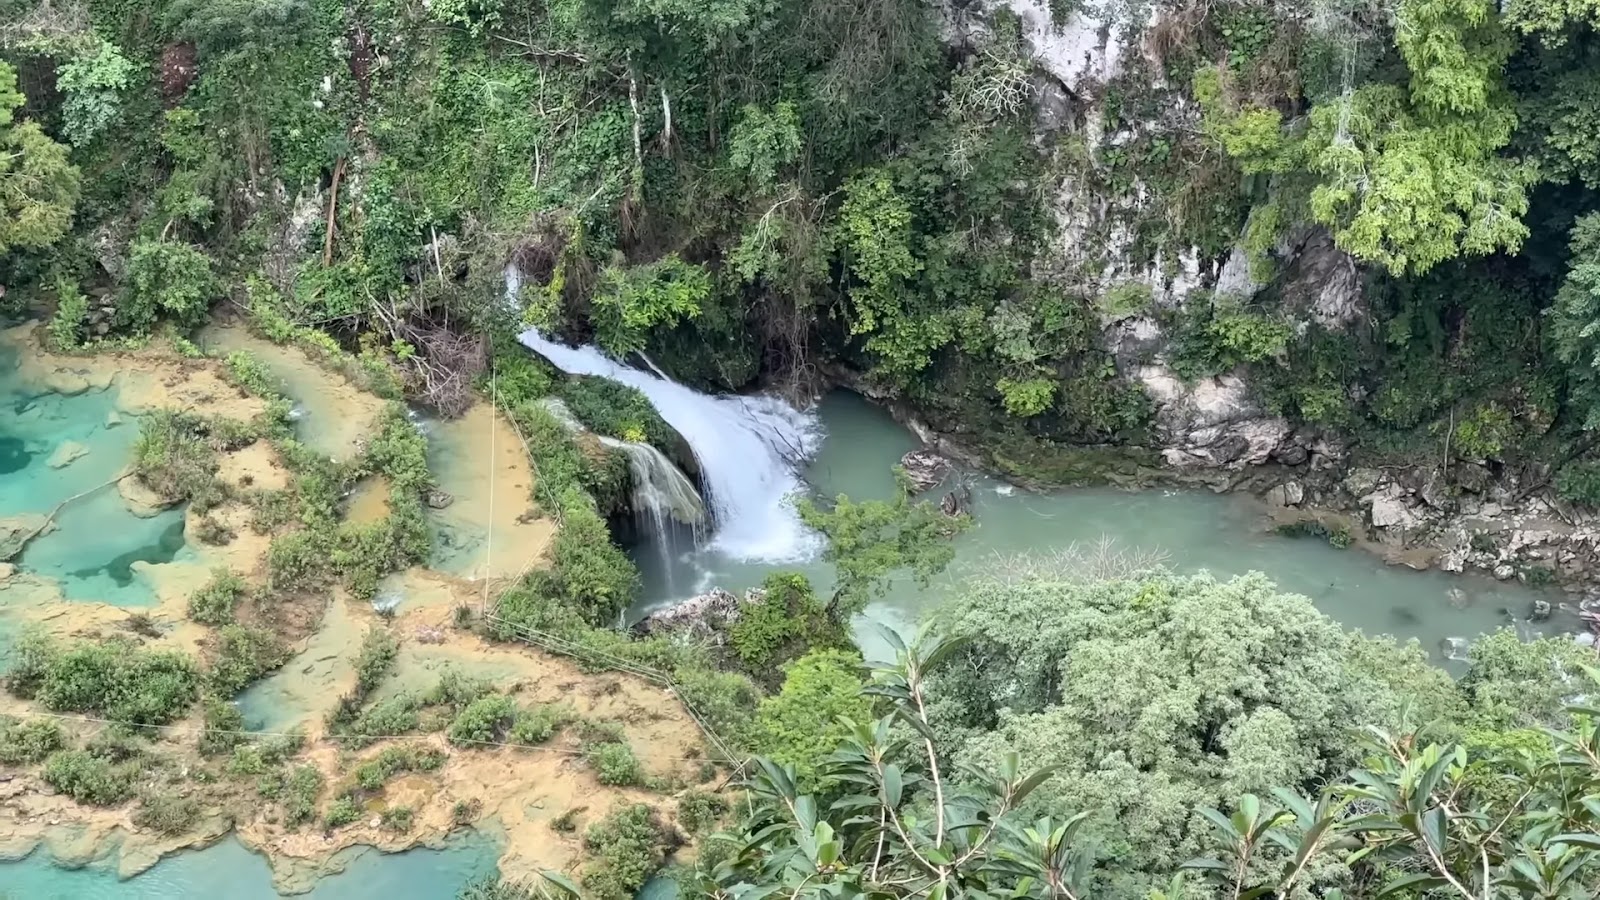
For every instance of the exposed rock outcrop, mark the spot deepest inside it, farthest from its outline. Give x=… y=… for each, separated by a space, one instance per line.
x=17 y=531
x=140 y=499
x=925 y=468
x=1211 y=421
x=706 y=617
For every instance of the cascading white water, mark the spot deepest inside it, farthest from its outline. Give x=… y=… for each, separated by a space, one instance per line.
x=747 y=448
x=660 y=489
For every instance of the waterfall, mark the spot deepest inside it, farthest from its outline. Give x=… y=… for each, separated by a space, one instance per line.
x=660 y=489
x=747 y=447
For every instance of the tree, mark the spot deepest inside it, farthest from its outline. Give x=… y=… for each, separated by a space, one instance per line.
x=1153 y=697
x=801 y=724
x=1435 y=820
x=889 y=820
x=869 y=541
x=1575 y=317
x=93 y=84
x=166 y=277
x=38 y=186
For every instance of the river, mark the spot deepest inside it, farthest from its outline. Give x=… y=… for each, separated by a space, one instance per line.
x=1188 y=530
x=747 y=448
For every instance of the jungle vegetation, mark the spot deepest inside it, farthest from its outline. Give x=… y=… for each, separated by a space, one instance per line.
x=782 y=192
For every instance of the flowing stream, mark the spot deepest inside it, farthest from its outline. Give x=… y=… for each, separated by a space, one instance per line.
x=1189 y=530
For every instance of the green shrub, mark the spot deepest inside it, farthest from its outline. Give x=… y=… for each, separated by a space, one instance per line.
x=342 y=812
x=1027 y=397
x=65 y=330
x=166 y=277
x=254 y=759
x=167 y=814
x=788 y=621
x=298 y=561
x=456 y=690
x=537 y=725
x=1484 y=432
x=90 y=779
x=800 y=724
x=1214 y=338
x=372 y=774
x=1579 y=482
x=28 y=741
x=389 y=716
x=397 y=819
x=115 y=679
x=214 y=603
x=699 y=810
x=173 y=458
x=299 y=795
x=465 y=812
x=484 y=720
x=244 y=654
x=615 y=764
x=587 y=571
x=251 y=374
x=627 y=846
x=615 y=410
x=378 y=651
x=223 y=726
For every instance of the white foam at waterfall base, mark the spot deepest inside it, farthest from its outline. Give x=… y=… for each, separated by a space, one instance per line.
x=747 y=447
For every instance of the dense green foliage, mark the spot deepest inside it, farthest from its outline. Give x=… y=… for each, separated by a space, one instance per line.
x=871 y=540
x=1138 y=698
x=28 y=740
x=803 y=722
x=627 y=846
x=116 y=679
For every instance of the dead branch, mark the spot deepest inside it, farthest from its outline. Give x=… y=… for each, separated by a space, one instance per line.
x=333 y=210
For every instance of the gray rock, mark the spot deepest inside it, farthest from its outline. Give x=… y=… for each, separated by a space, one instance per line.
x=1504 y=571
x=925 y=468
x=439 y=499
x=1361 y=482
x=1293 y=455
x=1390 y=509
x=1290 y=493
x=706 y=616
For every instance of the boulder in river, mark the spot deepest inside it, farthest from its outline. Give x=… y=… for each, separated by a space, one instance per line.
x=924 y=468
x=439 y=499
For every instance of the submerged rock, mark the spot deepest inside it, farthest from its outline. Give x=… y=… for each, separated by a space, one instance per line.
x=925 y=468
x=66 y=454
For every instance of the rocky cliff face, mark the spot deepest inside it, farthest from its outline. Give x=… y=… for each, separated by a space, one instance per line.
x=1216 y=429
x=1080 y=57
